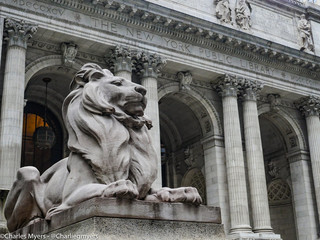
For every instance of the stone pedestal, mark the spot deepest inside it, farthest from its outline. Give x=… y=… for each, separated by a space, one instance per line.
x=254 y=236
x=105 y=219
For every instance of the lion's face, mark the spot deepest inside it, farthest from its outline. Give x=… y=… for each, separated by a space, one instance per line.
x=123 y=94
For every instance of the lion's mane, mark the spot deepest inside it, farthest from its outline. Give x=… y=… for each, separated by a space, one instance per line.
x=115 y=144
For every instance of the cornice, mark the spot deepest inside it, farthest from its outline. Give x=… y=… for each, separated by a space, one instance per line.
x=180 y=26
x=199 y=32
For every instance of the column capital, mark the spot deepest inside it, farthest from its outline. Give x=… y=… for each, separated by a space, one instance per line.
x=309 y=106
x=19 y=32
x=250 y=89
x=149 y=64
x=228 y=86
x=120 y=59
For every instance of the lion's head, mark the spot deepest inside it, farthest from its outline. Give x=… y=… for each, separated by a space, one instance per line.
x=101 y=113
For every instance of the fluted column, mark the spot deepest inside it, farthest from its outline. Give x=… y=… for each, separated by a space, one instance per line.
x=1 y=36
x=255 y=162
x=148 y=67
x=121 y=60
x=310 y=108
x=239 y=212
x=18 y=33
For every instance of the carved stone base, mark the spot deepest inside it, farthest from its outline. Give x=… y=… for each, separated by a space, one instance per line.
x=254 y=236
x=124 y=219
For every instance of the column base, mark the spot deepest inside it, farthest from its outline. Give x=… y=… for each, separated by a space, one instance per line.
x=241 y=229
x=254 y=236
x=266 y=230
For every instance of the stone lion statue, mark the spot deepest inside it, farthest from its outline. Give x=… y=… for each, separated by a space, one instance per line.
x=111 y=154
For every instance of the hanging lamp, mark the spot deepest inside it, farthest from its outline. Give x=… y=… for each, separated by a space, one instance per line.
x=44 y=137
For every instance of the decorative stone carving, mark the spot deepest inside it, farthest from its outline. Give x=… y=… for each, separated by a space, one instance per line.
x=309 y=106
x=120 y=59
x=274 y=100
x=69 y=53
x=279 y=192
x=111 y=153
x=274 y=171
x=19 y=32
x=243 y=14
x=304 y=29
x=149 y=64
x=188 y=157
x=228 y=85
x=185 y=79
x=250 y=89
x=223 y=11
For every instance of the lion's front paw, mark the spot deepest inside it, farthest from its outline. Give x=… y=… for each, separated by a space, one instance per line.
x=121 y=189
x=183 y=194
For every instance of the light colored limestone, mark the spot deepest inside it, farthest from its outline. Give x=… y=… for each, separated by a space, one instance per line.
x=125 y=219
x=151 y=65
x=216 y=177
x=111 y=153
x=13 y=100
x=237 y=188
x=310 y=109
x=255 y=161
x=305 y=209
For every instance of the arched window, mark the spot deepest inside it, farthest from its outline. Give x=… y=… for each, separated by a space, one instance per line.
x=32 y=155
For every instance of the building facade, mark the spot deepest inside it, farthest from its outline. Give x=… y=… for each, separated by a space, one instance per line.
x=233 y=94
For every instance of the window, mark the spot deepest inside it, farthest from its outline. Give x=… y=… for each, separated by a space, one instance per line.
x=32 y=155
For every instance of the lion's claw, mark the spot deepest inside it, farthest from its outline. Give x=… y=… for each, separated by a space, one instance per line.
x=183 y=194
x=121 y=189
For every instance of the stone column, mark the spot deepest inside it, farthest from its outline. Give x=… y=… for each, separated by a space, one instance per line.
x=216 y=176
x=239 y=211
x=120 y=60
x=254 y=155
x=302 y=189
x=1 y=36
x=13 y=100
x=148 y=67
x=310 y=108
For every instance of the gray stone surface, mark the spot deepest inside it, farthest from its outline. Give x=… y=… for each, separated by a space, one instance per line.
x=101 y=218
x=112 y=153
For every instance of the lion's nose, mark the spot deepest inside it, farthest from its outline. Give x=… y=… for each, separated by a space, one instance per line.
x=141 y=90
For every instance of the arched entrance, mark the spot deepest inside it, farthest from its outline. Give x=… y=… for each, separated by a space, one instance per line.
x=184 y=122
x=281 y=136
x=58 y=88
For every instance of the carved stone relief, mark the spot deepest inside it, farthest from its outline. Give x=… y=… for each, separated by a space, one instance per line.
x=185 y=79
x=274 y=100
x=69 y=53
x=223 y=11
x=305 y=35
x=243 y=14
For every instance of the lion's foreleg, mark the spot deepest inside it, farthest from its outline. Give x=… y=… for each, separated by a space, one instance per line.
x=182 y=194
x=120 y=189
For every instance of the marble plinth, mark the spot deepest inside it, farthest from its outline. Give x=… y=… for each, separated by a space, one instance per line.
x=117 y=219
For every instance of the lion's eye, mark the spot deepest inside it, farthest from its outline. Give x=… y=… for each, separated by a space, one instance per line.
x=117 y=83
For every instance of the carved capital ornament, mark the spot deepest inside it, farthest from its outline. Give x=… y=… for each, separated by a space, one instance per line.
x=250 y=89
x=309 y=106
x=120 y=59
x=228 y=86
x=18 y=32
x=149 y=64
